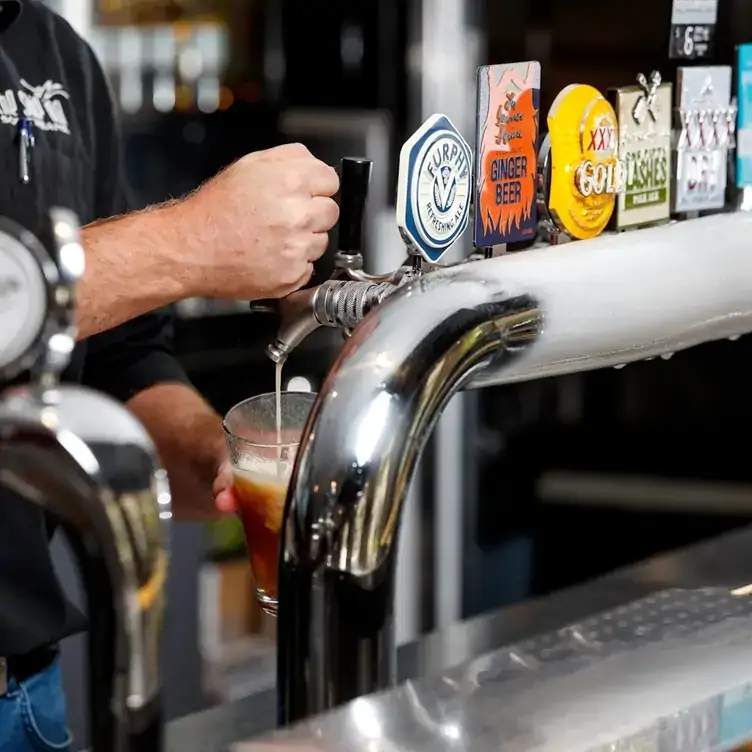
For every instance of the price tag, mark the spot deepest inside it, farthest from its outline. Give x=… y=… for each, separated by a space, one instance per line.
x=693 y=42
x=692 y=29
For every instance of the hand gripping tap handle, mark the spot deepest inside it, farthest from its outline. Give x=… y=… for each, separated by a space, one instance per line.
x=354 y=177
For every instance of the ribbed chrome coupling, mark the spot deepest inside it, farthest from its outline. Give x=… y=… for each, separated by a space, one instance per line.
x=344 y=303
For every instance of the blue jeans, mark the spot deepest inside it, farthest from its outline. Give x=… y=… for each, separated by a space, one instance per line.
x=33 y=714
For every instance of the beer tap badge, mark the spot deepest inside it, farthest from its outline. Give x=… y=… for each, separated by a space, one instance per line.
x=433 y=188
x=706 y=131
x=582 y=171
x=744 y=98
x=507 y=128
x=644 y=115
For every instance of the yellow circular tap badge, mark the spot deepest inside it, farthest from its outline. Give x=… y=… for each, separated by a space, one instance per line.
x=585 y=171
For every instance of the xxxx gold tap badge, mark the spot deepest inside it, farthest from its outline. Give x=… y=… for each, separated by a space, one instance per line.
x=507 y=126
x=583 y=174
x=644 y=115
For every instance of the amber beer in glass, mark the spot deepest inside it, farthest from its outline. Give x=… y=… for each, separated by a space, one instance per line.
x=262 y=458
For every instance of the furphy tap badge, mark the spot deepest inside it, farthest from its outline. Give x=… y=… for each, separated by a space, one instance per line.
x=507 y=146
x=581 y=171
x=433 y=188
x=644 y=115
x=706 y=131
x=744 y=132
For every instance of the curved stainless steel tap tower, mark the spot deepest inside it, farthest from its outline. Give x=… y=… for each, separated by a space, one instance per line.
x=373 y=417
x=85 y=458
x=546 y=312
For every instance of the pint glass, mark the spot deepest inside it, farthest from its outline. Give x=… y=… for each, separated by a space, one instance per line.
x=262 y=460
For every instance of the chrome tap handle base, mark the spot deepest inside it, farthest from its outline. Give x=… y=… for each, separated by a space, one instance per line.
x=37 y=284
x=64 y=244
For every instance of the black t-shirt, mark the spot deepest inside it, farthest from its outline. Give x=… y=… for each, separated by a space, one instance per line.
x=50 y=75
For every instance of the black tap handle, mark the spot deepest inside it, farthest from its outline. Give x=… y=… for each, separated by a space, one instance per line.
x=354 y=176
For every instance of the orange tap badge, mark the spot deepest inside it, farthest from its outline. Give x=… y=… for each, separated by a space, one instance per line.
x=582 y=172
x=507 y=126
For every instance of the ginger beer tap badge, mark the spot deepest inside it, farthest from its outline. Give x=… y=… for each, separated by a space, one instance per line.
x=744 y=129
x=581 y=174
x=507 y=128
x=644 y=115
x=433 y=188
x=705 y=131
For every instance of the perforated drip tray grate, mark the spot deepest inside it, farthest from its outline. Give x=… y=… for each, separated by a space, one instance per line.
x=705 y=616
x=665 y=673
x=669 y=673
x=646 y=637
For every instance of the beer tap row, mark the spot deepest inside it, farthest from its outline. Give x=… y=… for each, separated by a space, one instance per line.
x=602 y=162
x=612 y=161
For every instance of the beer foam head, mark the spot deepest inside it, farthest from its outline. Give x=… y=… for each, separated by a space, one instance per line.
x=255 y=465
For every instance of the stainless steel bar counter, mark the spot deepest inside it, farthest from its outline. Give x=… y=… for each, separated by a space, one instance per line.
x=657 y=656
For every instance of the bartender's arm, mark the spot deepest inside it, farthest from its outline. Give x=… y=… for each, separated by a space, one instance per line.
x=251 y=232
x=232 y=238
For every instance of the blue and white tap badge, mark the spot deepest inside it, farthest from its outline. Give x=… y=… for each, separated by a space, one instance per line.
x=744 y=126
x=433 y=188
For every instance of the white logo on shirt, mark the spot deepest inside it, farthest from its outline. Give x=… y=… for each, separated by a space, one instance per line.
x=40 y=104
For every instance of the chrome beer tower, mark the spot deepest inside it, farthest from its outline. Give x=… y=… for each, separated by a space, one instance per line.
x=375 y=412
x=338 y=552
x=549 y=311
x=85 y=459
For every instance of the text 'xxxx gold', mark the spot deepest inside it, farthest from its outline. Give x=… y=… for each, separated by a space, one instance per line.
x=586 y=173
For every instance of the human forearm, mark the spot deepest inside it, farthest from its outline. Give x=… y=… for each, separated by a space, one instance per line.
x=251 y=232
x=133 y=266
x=190 y=441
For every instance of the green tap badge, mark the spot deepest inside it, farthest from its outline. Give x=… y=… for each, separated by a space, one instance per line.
x=644 y=115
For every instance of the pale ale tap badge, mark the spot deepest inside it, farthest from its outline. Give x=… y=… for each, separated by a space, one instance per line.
x=507 y=128
x=705 y=131
x=580 y=173
x=744 y=129
x=644 y=115
x=433 y=188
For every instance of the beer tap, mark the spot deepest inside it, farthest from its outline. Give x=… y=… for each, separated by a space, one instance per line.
x=85 y=459
x=343 y=300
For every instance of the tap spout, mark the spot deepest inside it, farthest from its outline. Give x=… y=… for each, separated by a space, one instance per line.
x=84 y=458
x=371 y=421
x=334 y=303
